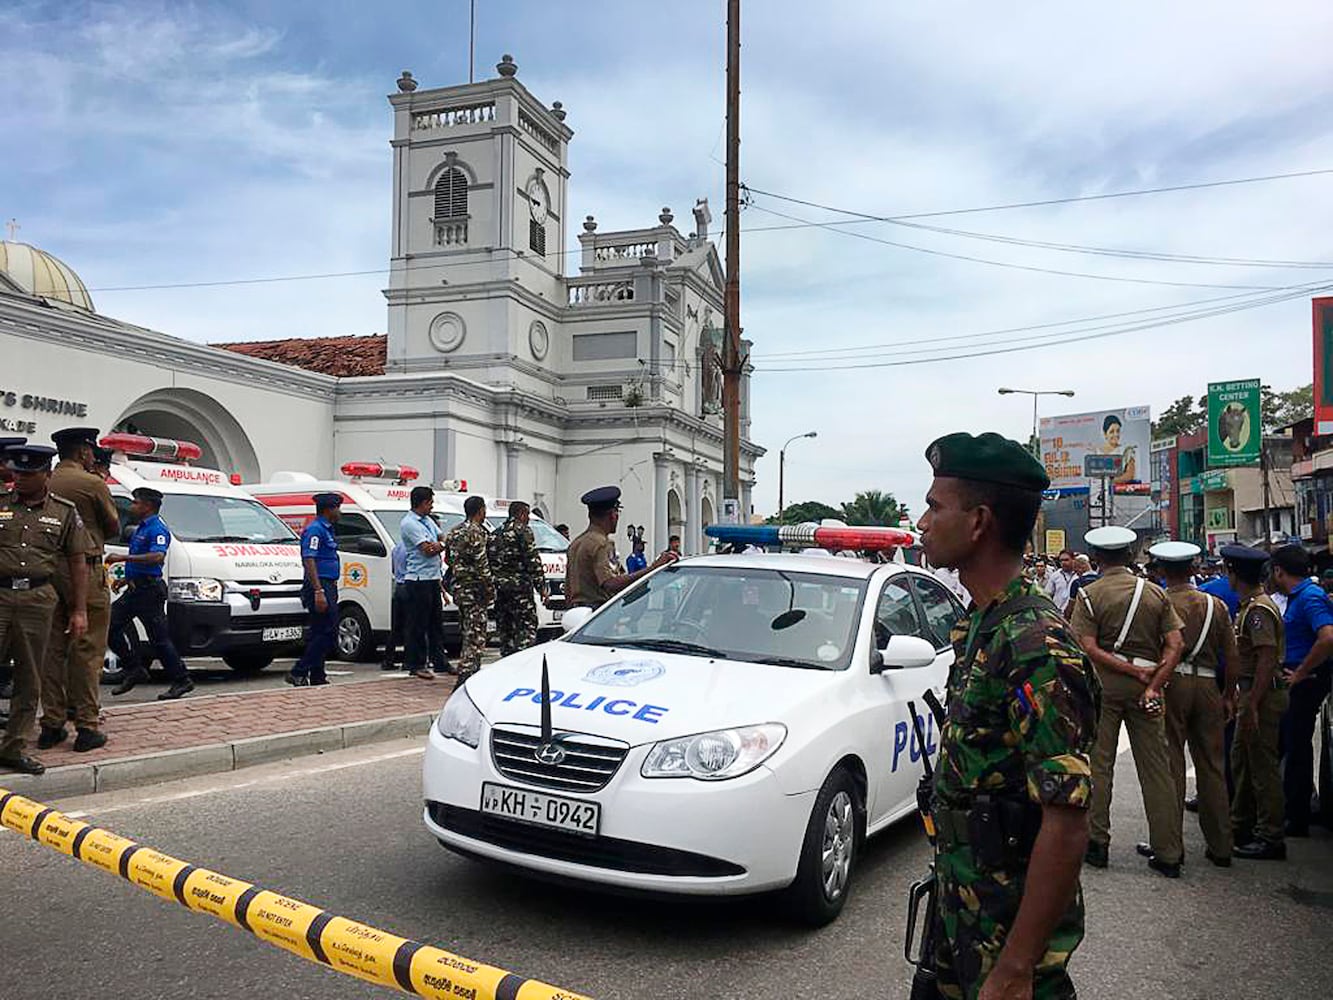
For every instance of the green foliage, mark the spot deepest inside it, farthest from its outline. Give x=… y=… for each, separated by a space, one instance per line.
x=1282 y=408
x=806 y=510
x=1182 y=417
x=873 y=507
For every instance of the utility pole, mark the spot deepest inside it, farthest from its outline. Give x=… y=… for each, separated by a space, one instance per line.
x=1263 y=471
x=472 y=43
x=732 y=362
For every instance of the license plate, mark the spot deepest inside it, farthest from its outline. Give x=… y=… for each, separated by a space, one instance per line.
x=280 y=634
x=541 y=809
x=490 y=627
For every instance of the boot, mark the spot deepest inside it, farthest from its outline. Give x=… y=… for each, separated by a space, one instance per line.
x=1167 y=869
x=88 y=739
x=297 y=680
x=50 y=736
x=23 y=764
x=179 y=689
x=131 y=680
x=1097 y=855
x=1261 y=850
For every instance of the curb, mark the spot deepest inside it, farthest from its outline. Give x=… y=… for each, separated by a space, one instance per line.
x=167 y=765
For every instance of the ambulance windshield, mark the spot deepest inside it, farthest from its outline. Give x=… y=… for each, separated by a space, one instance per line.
x=198 y=518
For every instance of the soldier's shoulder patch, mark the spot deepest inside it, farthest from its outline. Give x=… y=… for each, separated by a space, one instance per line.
x=1256 y=620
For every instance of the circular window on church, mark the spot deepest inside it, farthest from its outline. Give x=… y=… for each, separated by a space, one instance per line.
x=539 y=340
x=447 y=331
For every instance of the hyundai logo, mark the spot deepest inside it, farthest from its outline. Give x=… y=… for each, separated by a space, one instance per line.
x=550 y=754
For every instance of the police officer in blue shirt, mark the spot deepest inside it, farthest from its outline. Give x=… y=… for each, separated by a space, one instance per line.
x=146 y=599
x=319 y=590
x=1308 y=622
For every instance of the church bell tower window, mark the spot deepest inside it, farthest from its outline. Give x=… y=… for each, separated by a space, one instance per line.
x=451 y=215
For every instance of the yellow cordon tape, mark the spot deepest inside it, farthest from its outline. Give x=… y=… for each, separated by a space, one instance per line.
x=305 y=930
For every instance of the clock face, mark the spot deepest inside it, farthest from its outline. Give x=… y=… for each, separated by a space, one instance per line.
x=538 y=201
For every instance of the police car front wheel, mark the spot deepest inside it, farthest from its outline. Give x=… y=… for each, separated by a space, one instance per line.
x=829 y=852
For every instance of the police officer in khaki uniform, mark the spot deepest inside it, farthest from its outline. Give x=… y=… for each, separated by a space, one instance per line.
x=6 y=484
x=72 y=669
x=1131 y=633
x=593 y=576
x=38 y=533
x=1257 y=806
x=1196 y=711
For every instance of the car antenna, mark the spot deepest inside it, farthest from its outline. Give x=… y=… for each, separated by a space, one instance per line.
x=546 y=702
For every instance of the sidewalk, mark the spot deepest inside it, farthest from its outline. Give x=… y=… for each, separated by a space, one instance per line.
x=159 y=741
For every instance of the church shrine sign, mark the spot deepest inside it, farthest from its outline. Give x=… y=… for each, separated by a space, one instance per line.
x=31 y=405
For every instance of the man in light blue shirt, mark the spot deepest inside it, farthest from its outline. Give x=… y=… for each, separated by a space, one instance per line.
x=423 y=572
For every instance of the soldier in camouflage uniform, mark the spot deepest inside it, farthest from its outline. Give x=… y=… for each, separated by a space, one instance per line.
x=516 y=566
x=1014 y=778
x=473 y=587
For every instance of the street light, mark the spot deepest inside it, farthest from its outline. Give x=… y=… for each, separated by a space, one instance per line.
x=782 y=464
x=1035 y=393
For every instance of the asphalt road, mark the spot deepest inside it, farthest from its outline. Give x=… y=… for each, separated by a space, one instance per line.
x=343 y=831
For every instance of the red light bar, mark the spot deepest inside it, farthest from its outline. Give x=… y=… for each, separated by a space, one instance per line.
x=454 y=486
x=865 y=539
x=151 y=447
x=376 y=470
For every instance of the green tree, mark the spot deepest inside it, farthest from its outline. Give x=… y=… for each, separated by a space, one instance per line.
x=1282 y=408
x=873 y=507
x=806 y=510
x=1182 y=417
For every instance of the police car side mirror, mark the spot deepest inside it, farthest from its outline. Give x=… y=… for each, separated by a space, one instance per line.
x=904 y=652
x=574 y=619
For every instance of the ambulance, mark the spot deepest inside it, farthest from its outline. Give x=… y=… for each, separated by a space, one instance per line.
x=233 y=571
x=553 y=547
x=375 y=499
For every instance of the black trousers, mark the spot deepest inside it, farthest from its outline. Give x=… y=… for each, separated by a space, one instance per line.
x=1298 y=742
x=397 y=617
x=146 y=600
x=423 y=629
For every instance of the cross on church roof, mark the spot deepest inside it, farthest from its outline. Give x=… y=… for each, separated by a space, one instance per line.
x=13 y=227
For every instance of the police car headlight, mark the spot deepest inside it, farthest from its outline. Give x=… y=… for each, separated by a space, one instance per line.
x=461 y=720
x=194 y=588
x=724 y=753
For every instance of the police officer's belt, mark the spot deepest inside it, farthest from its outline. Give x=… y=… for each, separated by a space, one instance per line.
x=1188 y=669
x=1000 y=831
x=22 y=582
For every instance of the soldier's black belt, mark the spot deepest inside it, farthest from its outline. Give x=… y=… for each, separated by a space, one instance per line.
x=999 y=832
x=23 y=582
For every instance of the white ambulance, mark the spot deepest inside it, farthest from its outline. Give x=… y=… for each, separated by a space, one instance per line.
x=375 y=499
x=233 y=571
x=553 y=546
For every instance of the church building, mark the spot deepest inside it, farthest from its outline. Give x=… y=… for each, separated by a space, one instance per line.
x=532 y=369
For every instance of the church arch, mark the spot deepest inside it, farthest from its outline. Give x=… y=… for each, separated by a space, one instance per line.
x=190 y=415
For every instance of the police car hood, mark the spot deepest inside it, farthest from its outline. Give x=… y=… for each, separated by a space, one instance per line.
x=639 y=695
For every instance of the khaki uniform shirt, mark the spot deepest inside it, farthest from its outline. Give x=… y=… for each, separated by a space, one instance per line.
x=1101 y=607
x=1191 y=605
x=590 y=562
x=90 y=495
x=35 y=540
x=1258 y=624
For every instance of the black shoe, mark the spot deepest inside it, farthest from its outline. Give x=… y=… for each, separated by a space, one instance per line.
x=1261 y=850
x=1294 y=829
x=50 y=736
x=1167 y=869
x=1145 y=850
x=177 y=690
x=89 y=739
x=23 y=764
x=297 y=680
x=1097 y=855
x=387 y=665
x=130 y=681
x=1192 y=804
x=319 y=683
x=1221 y=860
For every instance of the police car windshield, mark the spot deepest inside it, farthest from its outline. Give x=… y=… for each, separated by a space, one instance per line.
x=791 y=619
x=196 y=518
x=548 y=539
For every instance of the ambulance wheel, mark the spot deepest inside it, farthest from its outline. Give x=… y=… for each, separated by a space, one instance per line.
x=356 y=642
x=248 y=662
x=829 y=853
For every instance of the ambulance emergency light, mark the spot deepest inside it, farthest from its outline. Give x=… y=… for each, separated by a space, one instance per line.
x=150 y=447
x=377 y=470
x=867 y=539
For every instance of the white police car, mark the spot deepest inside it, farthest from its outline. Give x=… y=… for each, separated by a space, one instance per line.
x=730 y=724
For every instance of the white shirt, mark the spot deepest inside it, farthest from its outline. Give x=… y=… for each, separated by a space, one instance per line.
x=1057 y=587
x=949 y=577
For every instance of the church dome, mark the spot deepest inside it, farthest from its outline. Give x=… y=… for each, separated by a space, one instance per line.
x=38 y=273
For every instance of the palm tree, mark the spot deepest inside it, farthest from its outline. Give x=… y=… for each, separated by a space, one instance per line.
x=873 y=507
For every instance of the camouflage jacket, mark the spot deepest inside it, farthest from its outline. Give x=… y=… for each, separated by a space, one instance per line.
x=1022 y=718
x=515 y=562
x=465 y=552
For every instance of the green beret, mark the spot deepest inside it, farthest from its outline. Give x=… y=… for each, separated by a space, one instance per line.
x=987 y=458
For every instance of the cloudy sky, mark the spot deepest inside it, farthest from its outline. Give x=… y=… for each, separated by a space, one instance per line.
x=156 y=143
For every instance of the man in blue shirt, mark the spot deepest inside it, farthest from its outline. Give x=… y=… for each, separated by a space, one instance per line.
x=637 y=559
x=1220 y=586
x=1309 y=630
x=319 y=590
x=423 y=629
x=145 y=599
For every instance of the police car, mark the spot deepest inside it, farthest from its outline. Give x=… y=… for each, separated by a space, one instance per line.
x=730 y=724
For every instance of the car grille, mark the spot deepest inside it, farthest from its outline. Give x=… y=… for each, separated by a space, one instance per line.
x=597 y=852
x=590 y=761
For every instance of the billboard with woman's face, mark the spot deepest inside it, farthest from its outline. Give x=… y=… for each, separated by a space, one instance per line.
x=1123 y=434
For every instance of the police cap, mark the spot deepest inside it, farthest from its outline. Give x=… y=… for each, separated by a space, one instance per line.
x=68 y=437
x=1111 y=538
x=1242 y=554
x=9 y=442
x=148 y=495
x=29 y=457
x=602 y=500
x=325 y=501
x=1174 y=552
x=987 y=458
